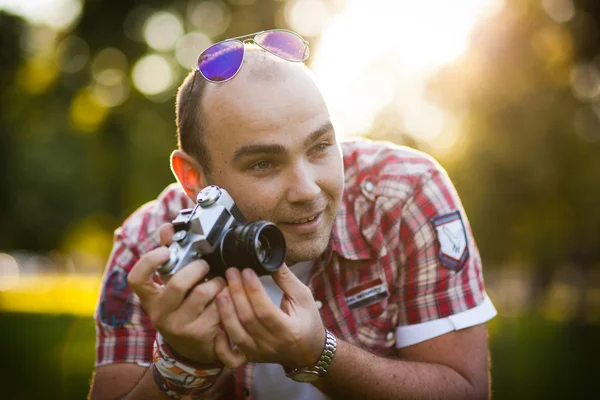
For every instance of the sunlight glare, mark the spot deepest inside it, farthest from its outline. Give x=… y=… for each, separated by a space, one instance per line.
x=58 y=14
x=381 y=54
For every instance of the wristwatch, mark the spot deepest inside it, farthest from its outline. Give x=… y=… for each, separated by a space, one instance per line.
x=319 y=370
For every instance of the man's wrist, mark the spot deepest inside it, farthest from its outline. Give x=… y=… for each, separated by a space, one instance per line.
x=321 y=367
x=199 y=365
x=178 y=379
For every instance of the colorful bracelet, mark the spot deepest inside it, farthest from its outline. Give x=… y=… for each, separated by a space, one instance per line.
x=177 y=379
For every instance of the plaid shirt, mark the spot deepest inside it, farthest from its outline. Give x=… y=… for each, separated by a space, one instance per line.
x=384 y=230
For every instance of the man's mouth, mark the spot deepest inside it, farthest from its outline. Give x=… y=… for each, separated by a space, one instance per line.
x=304 y=220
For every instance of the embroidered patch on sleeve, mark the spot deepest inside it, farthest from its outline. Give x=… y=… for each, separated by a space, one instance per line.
x=452 y=237
x=116 y=304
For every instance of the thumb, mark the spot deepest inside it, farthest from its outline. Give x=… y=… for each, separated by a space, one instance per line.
x=290 y=284
x=166 y=234
x=140 y=276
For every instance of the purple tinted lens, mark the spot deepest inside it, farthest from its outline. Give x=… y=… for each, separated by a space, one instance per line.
x=284 y=44
x=221 y=61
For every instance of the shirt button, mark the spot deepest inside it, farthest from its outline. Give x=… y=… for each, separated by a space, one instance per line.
x=369 y=186
x=390 y=335
x=319 y=304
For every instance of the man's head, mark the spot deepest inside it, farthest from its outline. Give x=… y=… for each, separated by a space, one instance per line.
x=266 y=137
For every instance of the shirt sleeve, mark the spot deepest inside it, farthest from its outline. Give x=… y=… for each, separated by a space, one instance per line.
x=442 y=284
x=124 y=333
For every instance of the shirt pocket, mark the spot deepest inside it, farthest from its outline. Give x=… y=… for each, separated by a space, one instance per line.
x=378 y=334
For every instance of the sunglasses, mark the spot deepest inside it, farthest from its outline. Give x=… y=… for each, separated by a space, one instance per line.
x=222 y=61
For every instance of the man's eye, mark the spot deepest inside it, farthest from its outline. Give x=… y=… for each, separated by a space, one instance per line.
x=261 y=165
x=321 y=147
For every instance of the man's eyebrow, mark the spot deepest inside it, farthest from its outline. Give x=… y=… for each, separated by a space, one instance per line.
x=254 y=149
x=277 y=149
x=325 y=128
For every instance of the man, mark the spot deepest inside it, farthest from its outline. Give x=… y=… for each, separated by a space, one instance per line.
x=384 y=295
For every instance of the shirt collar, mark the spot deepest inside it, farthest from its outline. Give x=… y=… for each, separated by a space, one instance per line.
x=347 y=239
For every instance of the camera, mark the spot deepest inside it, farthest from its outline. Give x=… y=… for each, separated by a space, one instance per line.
x=217 y=231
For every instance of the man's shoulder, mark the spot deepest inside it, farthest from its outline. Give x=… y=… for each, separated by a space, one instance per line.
x=148 y=218
x=384 y=168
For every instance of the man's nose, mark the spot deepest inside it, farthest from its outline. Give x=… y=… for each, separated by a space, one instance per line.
x=302 y=185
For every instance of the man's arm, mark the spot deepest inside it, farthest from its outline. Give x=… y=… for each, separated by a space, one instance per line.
x=124 y=381
x=182 y=310
x=451 y=366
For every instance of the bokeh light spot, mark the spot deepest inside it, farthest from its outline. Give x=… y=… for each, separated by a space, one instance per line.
x=38 y=74
x=189 y=47
x=153 y=75
x=86 y=113
x=210 y=17
x=109 y=59
x=72 y=54
x=112 y=90
x=559 y=10
x=552 y=44
x=162 y=30
x=58 y=14
x=585 y=81
x=9 y=272
x=307 y=17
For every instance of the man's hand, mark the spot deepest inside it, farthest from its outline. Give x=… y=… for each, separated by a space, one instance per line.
x=183 y=310
x=292 y=335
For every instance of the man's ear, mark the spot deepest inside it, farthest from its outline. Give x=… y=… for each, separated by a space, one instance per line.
x=189 y=174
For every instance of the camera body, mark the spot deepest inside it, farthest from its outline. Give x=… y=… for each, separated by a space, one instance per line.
x=217 y=231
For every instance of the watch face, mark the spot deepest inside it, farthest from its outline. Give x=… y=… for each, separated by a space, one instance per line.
x=304 y=376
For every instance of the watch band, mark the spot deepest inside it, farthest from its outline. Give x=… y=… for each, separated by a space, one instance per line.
x=319 y=370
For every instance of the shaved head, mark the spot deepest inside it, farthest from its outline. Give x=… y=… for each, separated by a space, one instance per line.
x=259 y=67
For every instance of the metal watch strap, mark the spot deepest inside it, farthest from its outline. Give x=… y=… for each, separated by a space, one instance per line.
x=327 y=355
x=322 y=365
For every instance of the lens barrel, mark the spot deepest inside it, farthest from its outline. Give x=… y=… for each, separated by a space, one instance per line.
x=256 y=245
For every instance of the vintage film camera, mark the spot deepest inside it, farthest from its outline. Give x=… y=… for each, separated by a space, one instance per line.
x=216 y=231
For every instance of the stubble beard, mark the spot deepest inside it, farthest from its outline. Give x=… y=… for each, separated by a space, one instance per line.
x=309 y=249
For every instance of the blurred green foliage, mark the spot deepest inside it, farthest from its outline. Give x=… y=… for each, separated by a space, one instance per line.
x=52 y=357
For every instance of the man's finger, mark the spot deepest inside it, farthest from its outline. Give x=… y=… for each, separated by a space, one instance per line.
x=290 y=284
x=231 y=358
x=166 y=234
x=201 y=295
x=243 y=308
x=268 y=314
x=179 y=284
x=140 y=276
x=231 y=323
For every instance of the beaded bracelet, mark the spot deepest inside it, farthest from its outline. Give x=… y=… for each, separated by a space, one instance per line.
x=177 y=379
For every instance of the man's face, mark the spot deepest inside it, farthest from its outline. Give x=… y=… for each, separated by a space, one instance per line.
x=273 y=148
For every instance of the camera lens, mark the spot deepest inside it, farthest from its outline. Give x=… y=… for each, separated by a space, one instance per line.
x=257 y=245
x=263 y=249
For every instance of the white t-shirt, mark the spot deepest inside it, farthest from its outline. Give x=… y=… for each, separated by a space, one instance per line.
x=270 y=381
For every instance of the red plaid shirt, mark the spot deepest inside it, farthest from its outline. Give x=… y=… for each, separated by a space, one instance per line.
x=384 y=230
